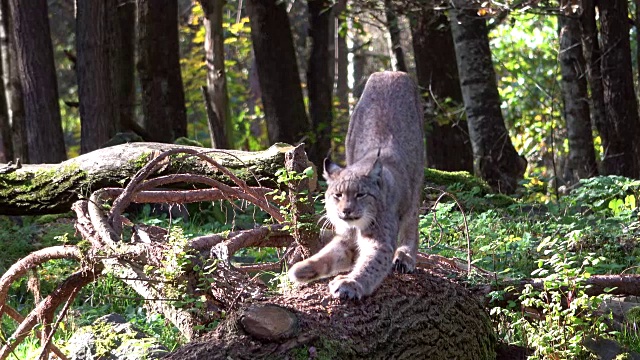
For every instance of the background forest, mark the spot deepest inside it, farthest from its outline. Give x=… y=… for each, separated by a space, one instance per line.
x=537 y=98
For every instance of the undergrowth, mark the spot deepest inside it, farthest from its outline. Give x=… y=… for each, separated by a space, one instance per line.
x=592 y=230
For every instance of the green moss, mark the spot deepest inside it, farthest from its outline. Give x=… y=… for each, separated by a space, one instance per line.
x=447 y=178
x=471 y=191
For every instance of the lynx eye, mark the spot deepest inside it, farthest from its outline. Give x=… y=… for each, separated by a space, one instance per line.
x=337 y=196
x=360 y=195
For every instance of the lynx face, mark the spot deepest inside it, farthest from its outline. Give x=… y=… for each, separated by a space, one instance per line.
x=351 y=198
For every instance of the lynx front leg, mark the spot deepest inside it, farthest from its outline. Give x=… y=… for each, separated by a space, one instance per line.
x=336 y=257
x=404 y=260
x=372 y=266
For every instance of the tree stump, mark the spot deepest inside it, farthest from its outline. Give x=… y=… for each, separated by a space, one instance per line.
x=411 y=316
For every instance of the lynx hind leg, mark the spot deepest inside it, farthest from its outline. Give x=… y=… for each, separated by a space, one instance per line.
x=336 y=257
x=404 y=260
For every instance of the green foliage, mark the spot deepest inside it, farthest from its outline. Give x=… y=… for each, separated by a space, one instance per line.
x=593 y=230
x=525 y=52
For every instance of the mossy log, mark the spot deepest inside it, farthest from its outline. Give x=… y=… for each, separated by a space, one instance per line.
x=411 y=316
x=52 y=188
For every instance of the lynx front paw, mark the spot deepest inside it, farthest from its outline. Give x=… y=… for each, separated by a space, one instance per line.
x=304 y=271
x=403 y=262
x=343 y=287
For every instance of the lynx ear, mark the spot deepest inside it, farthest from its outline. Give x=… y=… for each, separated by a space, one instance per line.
x=376 y=171
x=330 y=169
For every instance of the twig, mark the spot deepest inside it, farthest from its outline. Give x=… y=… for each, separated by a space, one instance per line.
x=47 y=343
x=31 y=261
x=49 y=304
x=19 y=318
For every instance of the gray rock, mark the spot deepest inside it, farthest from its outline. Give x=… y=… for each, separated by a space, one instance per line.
x=111 y=337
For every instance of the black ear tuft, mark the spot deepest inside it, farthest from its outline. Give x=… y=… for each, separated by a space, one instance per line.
x=330 y=169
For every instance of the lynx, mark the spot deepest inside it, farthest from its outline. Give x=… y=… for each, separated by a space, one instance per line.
x=373 y=202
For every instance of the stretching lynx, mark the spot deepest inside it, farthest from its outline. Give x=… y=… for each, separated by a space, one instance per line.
x=373 y=202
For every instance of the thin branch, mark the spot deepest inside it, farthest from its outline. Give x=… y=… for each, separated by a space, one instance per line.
x=32 y=261
x=50 y=304
x=19 y=318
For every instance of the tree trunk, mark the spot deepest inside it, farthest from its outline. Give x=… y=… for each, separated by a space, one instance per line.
x=6 y=145
x=495 y=158
x=163 y=104
x=417 y=316
x=13 y=87
x=277 y=71
x=593 y=59
x=394 y=33
x=45 y=142
x=220 y=119
x=620 y=130
x=582 y=156
x=319 y=81
x=50 y=189
x=447 y=136
x=95 y=46
x=342 y=69
x=124 y=64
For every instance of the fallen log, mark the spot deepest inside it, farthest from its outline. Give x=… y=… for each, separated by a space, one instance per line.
x=53 y=188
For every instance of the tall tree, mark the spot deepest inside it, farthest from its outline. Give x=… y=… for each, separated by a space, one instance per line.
x=447 y=137
x=341 y=60
x=593 y=59
x=45 y=142
x=495 y=158
x=124 y=64
x=620 y=131
x=394 y=34
x=582 y=156
x=277 y=71
x=13 y=86
x=319 y=81
x=6 y=145
x=5 y=122
x=217 y=96
x=165 y=116
x=95 y=46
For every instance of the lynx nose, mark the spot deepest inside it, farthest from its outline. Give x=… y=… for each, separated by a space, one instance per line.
x=347 y=214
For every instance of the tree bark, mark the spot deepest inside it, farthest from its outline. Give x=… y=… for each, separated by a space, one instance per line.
x=50 y=189
x=319 y=81
x=394 y=34
x=342 y=70
x=582 y=156
x=220 y=120
x=6 y=145
x=417 y=316
x=124 y=65
x=447 y=136
x=95 y=46
x=495 y=158
x=621 y=128
x=13 y=87
x=45 y=141
x=163 y=104
x=284 y=109
x=593 y=59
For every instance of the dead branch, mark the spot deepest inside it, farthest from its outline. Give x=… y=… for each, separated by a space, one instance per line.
x=595 y=285
x=47 y=306
x=31 y=261
x=16 y=316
